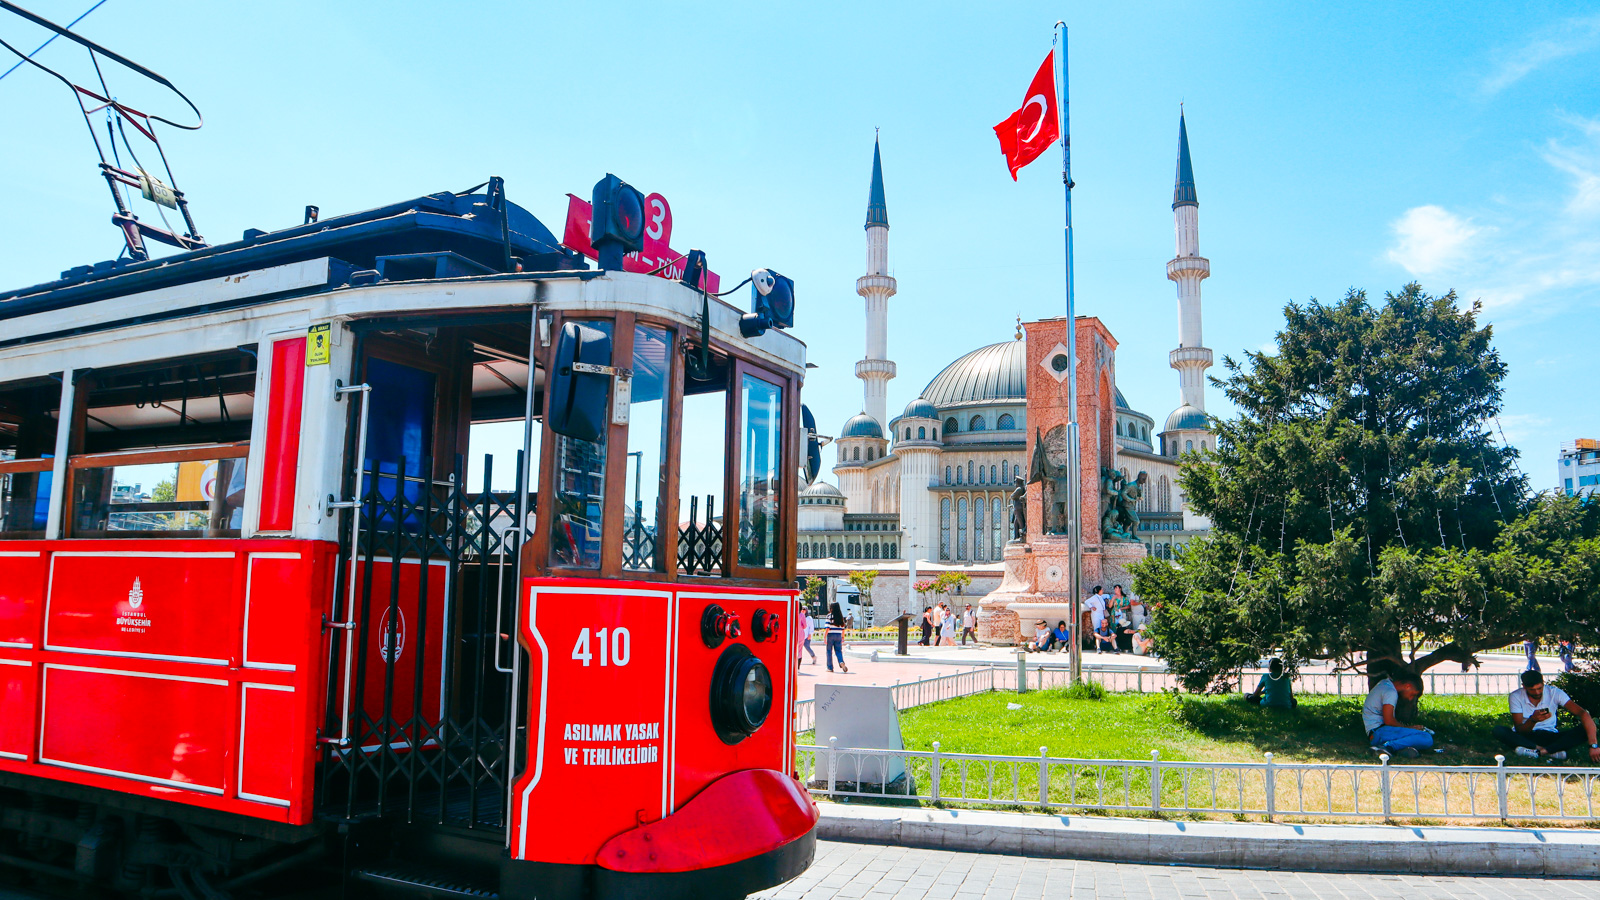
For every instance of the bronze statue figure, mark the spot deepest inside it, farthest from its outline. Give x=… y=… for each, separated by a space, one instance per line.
x=1019 y=511
x=1057 y=489
x=1119 y=498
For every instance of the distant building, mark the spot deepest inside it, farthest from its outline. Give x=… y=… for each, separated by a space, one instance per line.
x=1578 y=468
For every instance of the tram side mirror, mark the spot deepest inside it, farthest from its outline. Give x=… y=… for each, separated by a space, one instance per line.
x=580 y=382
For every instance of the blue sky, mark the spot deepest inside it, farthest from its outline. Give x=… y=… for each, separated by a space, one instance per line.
x=1335 y=145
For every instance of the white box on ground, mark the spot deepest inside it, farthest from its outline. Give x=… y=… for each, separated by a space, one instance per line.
x=865 y=716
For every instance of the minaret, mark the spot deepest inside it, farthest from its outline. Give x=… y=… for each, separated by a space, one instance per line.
x=1187 y=269
x=876 y=287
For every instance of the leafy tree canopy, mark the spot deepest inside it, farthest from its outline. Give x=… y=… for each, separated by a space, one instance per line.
x=1359 y=505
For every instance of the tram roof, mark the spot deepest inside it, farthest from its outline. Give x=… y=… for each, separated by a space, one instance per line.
x=444 y=223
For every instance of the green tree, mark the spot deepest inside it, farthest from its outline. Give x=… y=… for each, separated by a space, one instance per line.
x=947 y=583
x=863 y=579
x=164 y=492
x=1359 y=503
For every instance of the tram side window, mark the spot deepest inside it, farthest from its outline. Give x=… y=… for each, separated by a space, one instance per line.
x=703 y=456
x=647 y=448
x=29 y=411
x=159 y=448
x=578 y=522
x=760 y=473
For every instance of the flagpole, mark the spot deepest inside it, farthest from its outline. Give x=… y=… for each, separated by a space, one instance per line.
x=1074 y=460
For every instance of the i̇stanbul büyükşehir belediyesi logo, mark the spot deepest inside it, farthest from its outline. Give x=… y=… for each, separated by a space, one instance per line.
x=135 y=595
x=135 y=619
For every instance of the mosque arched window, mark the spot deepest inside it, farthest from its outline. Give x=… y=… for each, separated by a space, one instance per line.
x=978 y=518
x=969 y=472
x=922 y=432
x=1188 y=445
x=994 y=528
x=1006 y=423
x=982 y=476
x=857 y=455
x=892 y=553
x=976 y=424
x=946 y=474
x=1203 y=447
x=961 y=528
x=1164 y=495
x=944 y=528
x=908 y=432
x=992 y=473
x=1119 y=428
x=951 y=426
x=1005 y=470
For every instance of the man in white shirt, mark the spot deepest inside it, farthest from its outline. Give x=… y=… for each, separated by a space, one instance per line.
x=969 y=625
x=1096 y=604
x=1533 y=715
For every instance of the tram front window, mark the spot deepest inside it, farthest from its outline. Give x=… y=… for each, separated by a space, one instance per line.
x=760 y=473
x=577 y=523
x=647 y=448
x=702 y=488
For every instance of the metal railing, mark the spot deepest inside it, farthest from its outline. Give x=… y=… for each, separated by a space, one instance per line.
x=1354 y=684
x=914 y=693
x=1155 y=786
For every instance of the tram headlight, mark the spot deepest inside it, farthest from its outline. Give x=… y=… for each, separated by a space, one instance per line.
x=771 y=303
x=618 y=224
x=741 y=694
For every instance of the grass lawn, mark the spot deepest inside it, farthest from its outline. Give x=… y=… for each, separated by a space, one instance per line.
x=1191 y=727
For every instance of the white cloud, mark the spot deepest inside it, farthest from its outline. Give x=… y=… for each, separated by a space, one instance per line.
x=1521 y=428
x=1430 y=239
x=1542 y=255
x=1568 y=38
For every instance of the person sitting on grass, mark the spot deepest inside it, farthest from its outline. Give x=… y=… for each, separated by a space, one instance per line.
x=1385 y=733
x=1533 y=715
x=1274 y=691
x=1104 y=637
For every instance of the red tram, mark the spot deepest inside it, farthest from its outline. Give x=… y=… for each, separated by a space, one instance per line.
x=404 y=546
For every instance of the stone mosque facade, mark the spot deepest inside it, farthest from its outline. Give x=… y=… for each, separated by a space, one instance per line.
x=934 y=482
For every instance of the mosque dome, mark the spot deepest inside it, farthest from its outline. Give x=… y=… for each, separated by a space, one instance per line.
x=1122 y=402
x=1187 y=418
x=993 y=374
x=920 y=409
x=862 y=426
x=821 y=492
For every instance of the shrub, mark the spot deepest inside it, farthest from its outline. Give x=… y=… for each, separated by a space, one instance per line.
x=1084 y=690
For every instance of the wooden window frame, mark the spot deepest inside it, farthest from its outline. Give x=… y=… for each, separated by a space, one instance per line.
x=198 y=453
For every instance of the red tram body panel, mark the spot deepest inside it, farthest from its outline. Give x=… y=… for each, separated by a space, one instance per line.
x=190 y=671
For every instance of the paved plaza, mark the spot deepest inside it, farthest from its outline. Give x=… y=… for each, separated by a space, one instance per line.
x=866 y=871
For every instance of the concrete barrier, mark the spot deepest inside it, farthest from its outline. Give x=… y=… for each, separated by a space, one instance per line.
x=1452 y=850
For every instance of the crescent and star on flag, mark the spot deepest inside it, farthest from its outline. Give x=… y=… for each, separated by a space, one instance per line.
x=1028 y=132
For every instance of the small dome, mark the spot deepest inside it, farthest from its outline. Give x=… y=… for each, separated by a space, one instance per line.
x=1122 y=402
x=1187 y=418
x=862 y=426
x=822 y=490
x=920 y=409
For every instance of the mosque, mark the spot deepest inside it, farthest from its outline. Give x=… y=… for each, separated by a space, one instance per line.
x=934 y=482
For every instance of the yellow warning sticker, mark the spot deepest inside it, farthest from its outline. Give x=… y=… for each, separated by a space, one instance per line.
x=317 y=341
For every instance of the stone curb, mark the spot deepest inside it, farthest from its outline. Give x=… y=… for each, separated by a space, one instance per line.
x=1454 y=850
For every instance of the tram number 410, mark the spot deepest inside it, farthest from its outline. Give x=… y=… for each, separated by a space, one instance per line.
x=613 y=645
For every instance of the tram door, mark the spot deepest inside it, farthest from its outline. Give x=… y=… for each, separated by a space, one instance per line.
x=428 y=561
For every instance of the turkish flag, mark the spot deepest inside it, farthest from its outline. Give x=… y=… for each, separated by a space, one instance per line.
x=1027 y=132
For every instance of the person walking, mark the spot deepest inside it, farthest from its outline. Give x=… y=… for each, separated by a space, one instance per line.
x=1531 y=647
x=927 y=625
x=1564 y=650
x=969 y=625
x=807 y=625
x=938 y=622
x=835 y=638
x=947 y=629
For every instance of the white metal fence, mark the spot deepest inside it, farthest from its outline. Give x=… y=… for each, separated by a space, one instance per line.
x=1120 y=679
x=1266 y=788
x=916 y=693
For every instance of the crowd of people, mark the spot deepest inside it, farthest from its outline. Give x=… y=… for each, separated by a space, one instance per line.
x=939 y=624
x=1118 y=622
